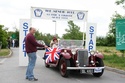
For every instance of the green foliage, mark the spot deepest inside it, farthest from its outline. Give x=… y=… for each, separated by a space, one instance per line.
x=101 y=41
x=3 y=36
x=45 y=37
x=111 y=37
x=38 y=35
x=73 y=32
x=114 y=61
x=118 y=2
x=110 y=40
x=123 y=52
x=107 y=50
x=15 y=33
x=4 y=52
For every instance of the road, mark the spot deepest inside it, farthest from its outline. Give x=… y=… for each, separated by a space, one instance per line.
x=10 y=72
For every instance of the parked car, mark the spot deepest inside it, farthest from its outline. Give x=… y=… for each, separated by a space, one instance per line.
x=74 y=57
x=41 y=42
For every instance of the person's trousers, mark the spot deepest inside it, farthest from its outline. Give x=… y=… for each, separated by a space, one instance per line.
x=32 y=61
x=13 y=44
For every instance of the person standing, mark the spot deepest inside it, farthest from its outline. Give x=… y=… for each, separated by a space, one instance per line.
x=31 y=49
x=13 y=41
x=8 y=40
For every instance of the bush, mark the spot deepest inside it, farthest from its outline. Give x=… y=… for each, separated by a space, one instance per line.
x=107 y=50
x=3 y=36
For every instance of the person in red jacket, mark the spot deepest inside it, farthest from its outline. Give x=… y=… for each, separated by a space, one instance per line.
x=31 y=49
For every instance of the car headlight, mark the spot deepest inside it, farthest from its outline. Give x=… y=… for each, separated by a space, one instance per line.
x=65 y=51
x=73 y=51
x=92 y=52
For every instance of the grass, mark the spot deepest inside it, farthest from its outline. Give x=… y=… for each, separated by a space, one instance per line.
x=112 y=57
x=4 y=52
x=108 y=50
x=115 y=61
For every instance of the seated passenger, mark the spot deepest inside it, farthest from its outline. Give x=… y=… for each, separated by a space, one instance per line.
x=54 y=43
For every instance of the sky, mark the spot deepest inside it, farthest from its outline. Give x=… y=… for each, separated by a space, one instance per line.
x=99 y=12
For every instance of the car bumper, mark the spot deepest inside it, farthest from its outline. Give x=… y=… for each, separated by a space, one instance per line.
x=84 y=68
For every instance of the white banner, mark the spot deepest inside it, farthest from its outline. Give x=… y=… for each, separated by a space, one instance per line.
x=58 y=14
x=24 y=28
x=91 y=36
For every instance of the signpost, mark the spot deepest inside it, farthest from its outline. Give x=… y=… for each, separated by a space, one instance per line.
x=24 y=27
x=91 y=37
x=120 y=34
x=13 y=36
x=58 y=14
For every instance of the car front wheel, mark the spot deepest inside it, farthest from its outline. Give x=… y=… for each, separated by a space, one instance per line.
x=46 y=65
x=99 y=63
x=64 y=63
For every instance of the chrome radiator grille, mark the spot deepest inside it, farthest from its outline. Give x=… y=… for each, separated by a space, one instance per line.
x=83 y=57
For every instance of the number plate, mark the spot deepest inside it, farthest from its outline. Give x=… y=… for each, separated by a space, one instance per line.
x=86 y=71
x=97 y=70
x=83 y=71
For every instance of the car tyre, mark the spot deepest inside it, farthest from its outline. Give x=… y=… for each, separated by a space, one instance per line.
x=99 y=63
x=64 y=63
x=46 y=65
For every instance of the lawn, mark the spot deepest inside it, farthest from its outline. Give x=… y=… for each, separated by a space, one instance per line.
x=108 y=50
x=4 y=52
x=112 y=57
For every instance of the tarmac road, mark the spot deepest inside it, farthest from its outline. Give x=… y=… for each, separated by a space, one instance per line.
x=10 y=72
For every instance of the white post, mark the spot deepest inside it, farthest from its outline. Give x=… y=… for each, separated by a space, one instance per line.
x=24 y=28
x=84 y=34
x=91 y=36
x=85 y=29
x=31 y=16
x=55 y=26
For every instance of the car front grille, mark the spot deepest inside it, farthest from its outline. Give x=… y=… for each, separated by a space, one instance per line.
x=83 y=57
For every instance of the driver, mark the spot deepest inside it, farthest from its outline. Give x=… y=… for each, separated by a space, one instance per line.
x=54 y=43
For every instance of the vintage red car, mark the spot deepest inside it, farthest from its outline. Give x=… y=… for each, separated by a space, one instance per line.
x=74 y=57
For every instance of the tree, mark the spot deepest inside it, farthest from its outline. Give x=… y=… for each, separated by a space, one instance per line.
x=112 y=30
x=17 y=34
x=118 y=2
x=38 y=35
x=73 y=32
x=121 y=2
x=45 y=37
x=101 y=41
x=3 y=36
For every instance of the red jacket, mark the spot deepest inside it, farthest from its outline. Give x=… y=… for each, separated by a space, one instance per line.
x=31 y=43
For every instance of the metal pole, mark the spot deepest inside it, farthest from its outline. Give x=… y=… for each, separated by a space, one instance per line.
x=31 y=16
x=55 y=26
x=84 y=34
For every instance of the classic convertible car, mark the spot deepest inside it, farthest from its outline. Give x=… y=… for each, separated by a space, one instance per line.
x=72 y=56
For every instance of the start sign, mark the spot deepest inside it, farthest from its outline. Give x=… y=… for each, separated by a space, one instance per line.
x=24 y=27
x=91 y=37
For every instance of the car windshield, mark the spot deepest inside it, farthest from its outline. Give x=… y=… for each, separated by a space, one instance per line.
x=70 y=44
